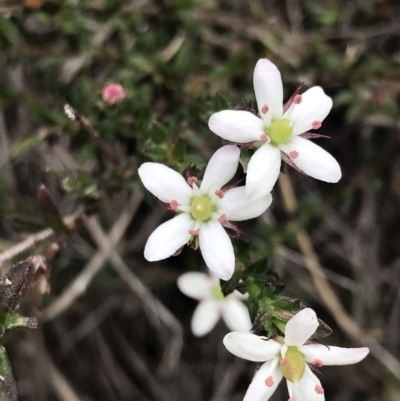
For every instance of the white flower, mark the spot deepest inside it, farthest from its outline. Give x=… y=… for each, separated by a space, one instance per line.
x=278 y=130
x=212 y=304
x=289 y=357
x=201 y=210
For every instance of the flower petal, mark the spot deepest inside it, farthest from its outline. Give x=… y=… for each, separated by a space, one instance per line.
x=263 y=171
x=217 y=250
x=301 y=327
x=315 y=106
x=312 y=159
x=197 y=285
x=164 y=183
x=258 y=390
x=166 y=239
x=306 y=389
x=269 y=90
x=333 y=355
x=251 y=347
x=220 y=169
x=205 y=317
x=236 y=315
x=237 y=126
x=237 y=206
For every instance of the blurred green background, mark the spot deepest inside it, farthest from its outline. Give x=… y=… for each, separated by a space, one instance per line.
x=115 y=327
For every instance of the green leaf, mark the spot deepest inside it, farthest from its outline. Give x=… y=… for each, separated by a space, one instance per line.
x=323 y=331
x=26 y=144
x=9 y=30
x=8 y=389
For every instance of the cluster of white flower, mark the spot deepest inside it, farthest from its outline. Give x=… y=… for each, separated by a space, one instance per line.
x=205 y=208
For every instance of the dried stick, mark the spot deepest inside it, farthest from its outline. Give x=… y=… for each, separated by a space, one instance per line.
x=35 y=239
x=79 y=285
x=325 y=290
x=57 y=380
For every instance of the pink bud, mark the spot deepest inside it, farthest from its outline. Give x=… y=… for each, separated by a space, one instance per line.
x=113 y=93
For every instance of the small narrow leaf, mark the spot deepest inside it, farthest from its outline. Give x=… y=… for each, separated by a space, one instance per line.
x=50 y=211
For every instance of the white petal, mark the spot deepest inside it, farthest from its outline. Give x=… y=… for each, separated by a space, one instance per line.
x=305 y=390
x=312 y=159
x=269 y=91
x=164 y=183
x=205 y=317
x=166 y=239
x=251 y=347
x=237 y=206
x=258 y=390
x=196 y=285
x=315 y=106
x=333 y=355
x=236 y=315
x=217 y=250
x=237 y=126
x=220 y=169
x=263 y=171
x=301 y=327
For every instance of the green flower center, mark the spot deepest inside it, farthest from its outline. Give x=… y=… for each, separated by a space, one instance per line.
x=201 y=208
x=280 y=131
x=293 y=365
x=217 y=292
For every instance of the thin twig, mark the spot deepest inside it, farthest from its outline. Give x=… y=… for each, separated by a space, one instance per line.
x=325 y=290
x=79 y=285
x=172 y=353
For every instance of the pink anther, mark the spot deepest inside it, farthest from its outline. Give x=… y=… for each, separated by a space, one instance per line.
x=264 y=109
x=297 y=99
x=318 y=389
x=316 y=124
x=220 y=193
x=222 y=218
x=292 y=399
x=318 y=363
x=284 y=361
x=194 y=232
x=174 y=205
x=293 y=154
x=264 y=138
x=269 y=381
x=192 y=180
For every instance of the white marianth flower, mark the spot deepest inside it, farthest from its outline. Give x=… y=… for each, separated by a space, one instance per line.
x=278 y=132
x=289 y=357
x=201 y=210
x=212 y=304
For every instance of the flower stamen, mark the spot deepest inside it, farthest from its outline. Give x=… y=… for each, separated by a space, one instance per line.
x=316 y=124
x=318 y=363
x=222 y=218
x=269 y=381
x=174 y=205
x=293 y=154
x=220 y=193
x=192 y=180
x=264 y=138
x=319 y=389
x=264 y=109
x=194 y=232
x=284 y=361
x=297 y=99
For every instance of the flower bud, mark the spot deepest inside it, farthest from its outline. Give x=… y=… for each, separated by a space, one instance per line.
x=113 y=93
